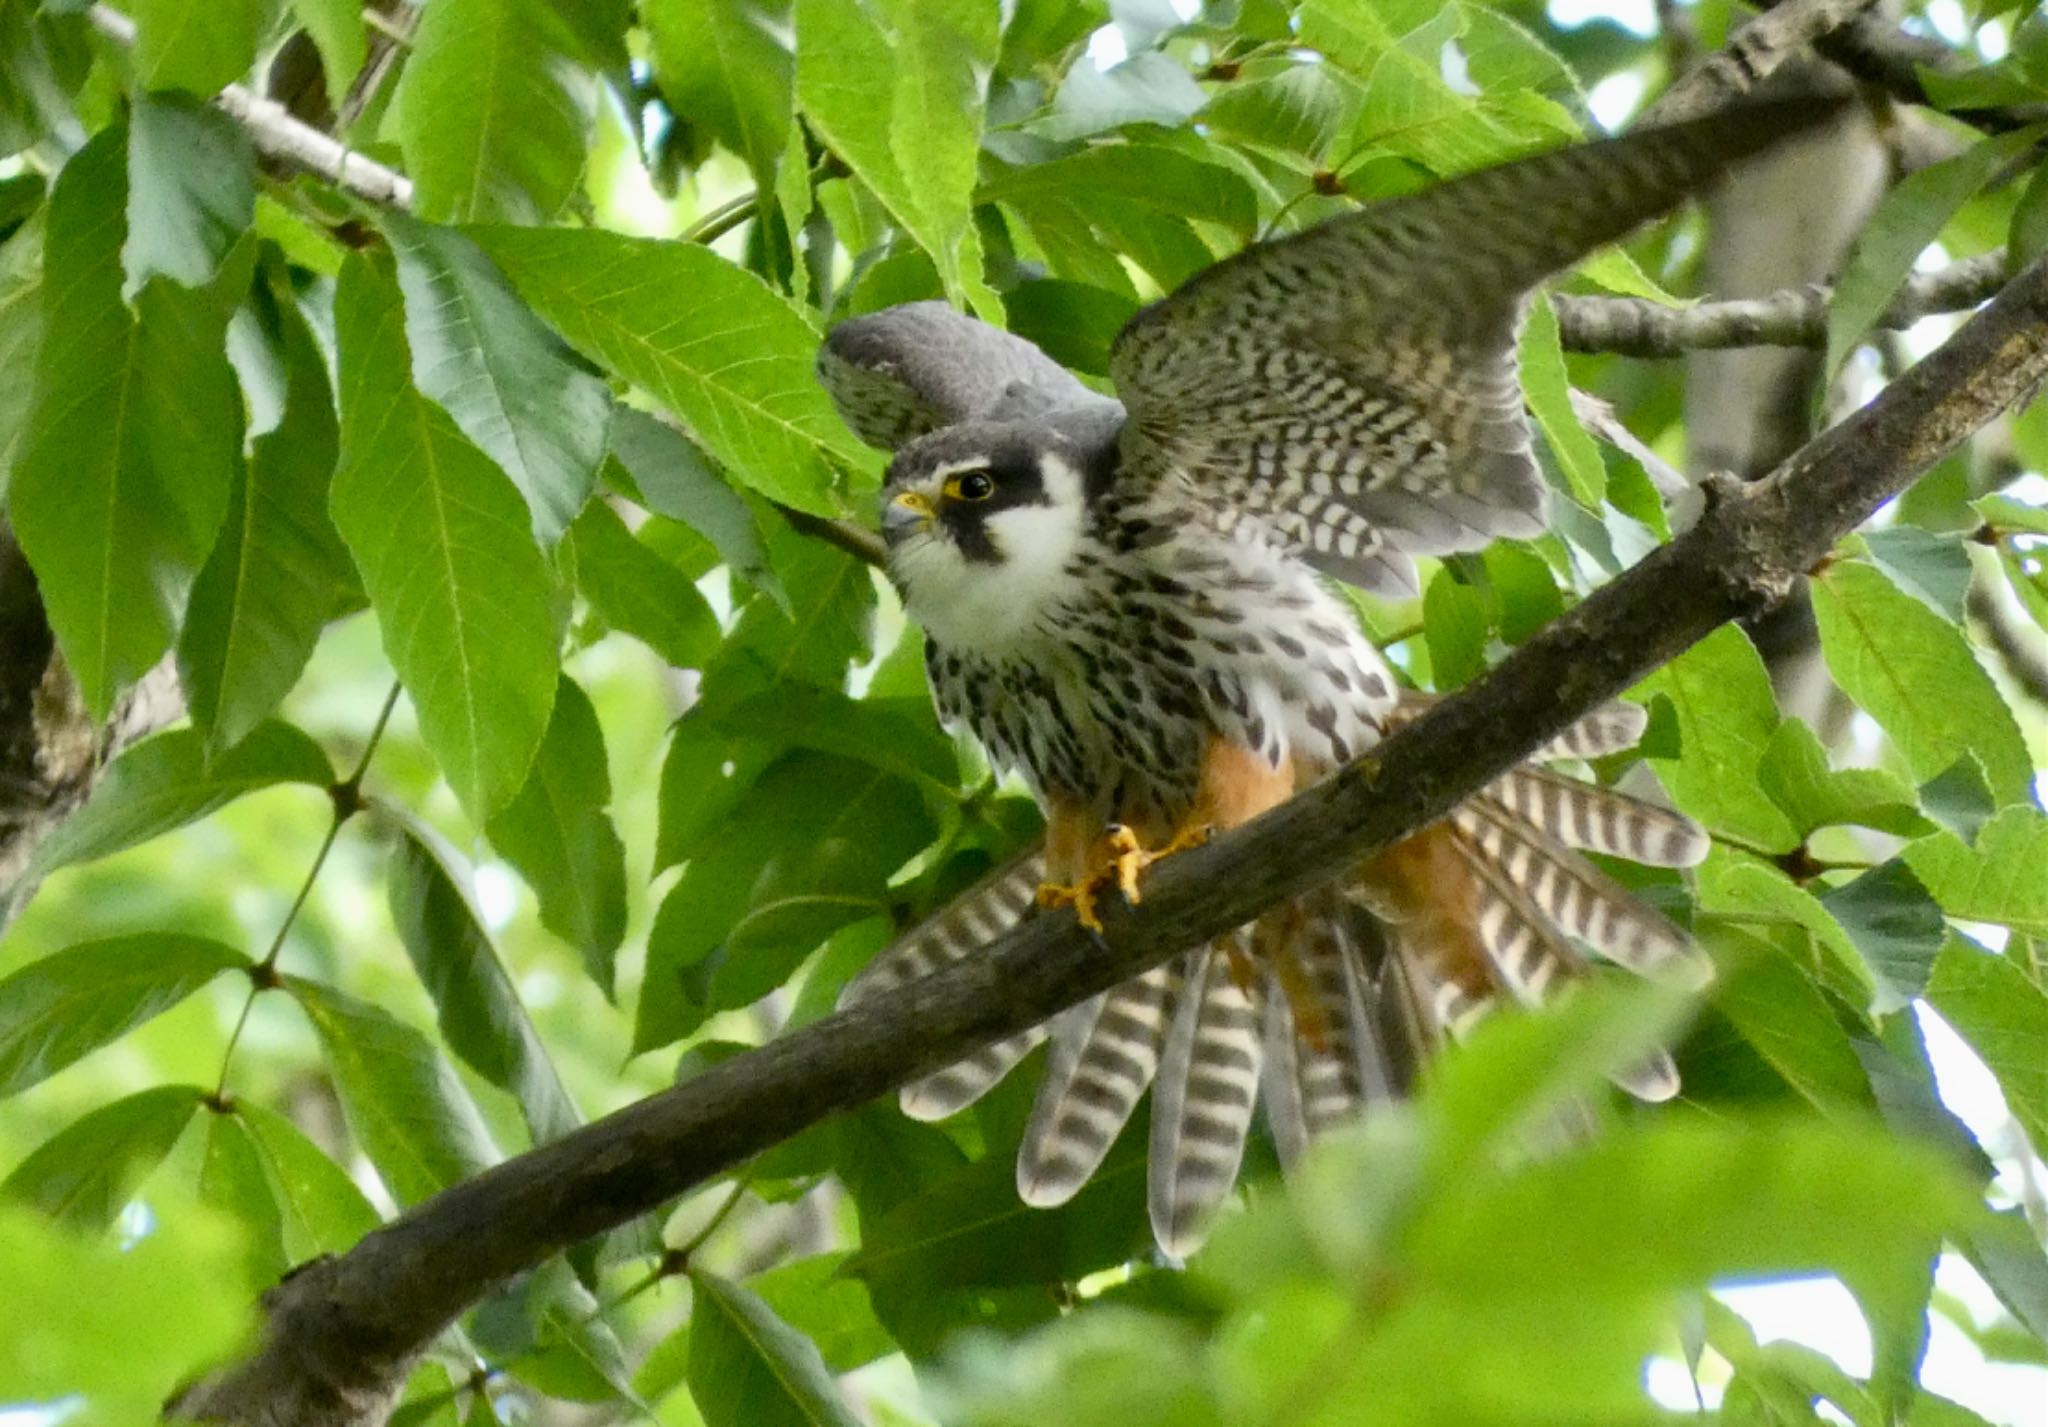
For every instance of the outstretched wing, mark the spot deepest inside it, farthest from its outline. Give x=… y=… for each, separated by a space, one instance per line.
x=906 y=371
x=1355 y=385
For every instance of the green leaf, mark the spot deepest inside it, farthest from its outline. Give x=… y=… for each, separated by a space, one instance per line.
x=1935 y=569
x=1794 y=771
x=830 y=1307
x=493 y=111
x=409 y=1111
x=1909 y=217
x=1959 y=799
x=36 y=80
x=21 y=333
x=905 y=112
x=1455 y=623
x=2004 y=513
x=2003 y=1014
x=322 y=1211
x=1073 y=322
x=721 y=66
x=165 y=782
x=1893 y=922
x=1151 y=176
x=1147 y=88
x=512 y=386
x=748 y=1368
x=969 y=1230
x=637 y=592
x=825 y=624
x=557 y=834
x=203 y=48
x=1999 y=880
x=1726 y=718
x=1913 y=672
x=672 y=478
x=84 y=1175
x=133 y=438
x=191 y=191
x=279 y=571
x=2007 y=1251
x=73 y=1002
x=1300 y=109
x=478 y=1007
x=110 y=1330
x=795 y=201
x=551 y=1331
x=809 y=849
x=731 y=358
x=338 y=33
x=464 y=600
x=1548 y=387
x=233 y=1180
x=1748 y=890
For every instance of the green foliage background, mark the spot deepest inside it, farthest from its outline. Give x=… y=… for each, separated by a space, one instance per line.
x=337 y=942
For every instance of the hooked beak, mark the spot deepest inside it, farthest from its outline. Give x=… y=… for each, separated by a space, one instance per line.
x=907 y=512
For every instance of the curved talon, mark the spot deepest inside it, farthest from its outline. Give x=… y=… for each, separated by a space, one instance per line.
x=1129 y=858
x=1080 y=896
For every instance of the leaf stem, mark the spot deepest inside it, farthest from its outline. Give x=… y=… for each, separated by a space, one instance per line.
x=346 y=797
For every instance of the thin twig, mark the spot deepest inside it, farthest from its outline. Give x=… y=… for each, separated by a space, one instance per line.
x=346 y=798
x=1793 y=317
x=277 y=134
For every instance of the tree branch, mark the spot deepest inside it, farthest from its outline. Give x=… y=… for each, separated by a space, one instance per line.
x=278 y=135
x=1752 y=52
x=343 y=1331
x=1793 y=317
x=1877 y=52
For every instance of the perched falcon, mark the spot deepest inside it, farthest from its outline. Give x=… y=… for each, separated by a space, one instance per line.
x=1125 y=602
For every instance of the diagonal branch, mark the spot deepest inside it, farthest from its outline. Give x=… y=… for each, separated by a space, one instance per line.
x=342 y=1332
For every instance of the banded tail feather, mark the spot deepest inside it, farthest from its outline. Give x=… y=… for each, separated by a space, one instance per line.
x=1570 y=894
x=1330 y=1003
x=1203 y=1098
x=1341 y=969
x=1104 y=1055
x=970 y=921
x=1590 y=818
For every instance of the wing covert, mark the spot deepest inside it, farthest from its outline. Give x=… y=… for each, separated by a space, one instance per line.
x=906 y=371
x=1355 y=385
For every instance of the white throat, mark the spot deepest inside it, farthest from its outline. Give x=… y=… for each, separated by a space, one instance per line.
x=997 y=607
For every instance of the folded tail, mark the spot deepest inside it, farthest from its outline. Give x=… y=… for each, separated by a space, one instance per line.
x=1331 y=1002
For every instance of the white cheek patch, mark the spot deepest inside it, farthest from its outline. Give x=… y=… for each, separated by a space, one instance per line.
x=993 y=605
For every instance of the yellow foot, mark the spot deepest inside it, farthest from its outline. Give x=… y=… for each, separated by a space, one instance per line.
x=1080 y=896
x=1129 y=858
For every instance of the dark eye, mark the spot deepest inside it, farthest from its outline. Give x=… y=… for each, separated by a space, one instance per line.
x=971 y=485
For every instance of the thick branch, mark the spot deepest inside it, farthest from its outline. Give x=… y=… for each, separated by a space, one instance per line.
x=356 y=1321
x=1794 y=317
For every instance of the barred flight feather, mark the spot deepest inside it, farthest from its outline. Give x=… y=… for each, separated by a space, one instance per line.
x=1203 y=1098
x=970 y=921
x=1580 y=899
x=1595 y=819
x=1104 y=1055
x=1345 y=1005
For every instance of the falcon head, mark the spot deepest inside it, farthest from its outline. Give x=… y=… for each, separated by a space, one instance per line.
x=983 y=521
